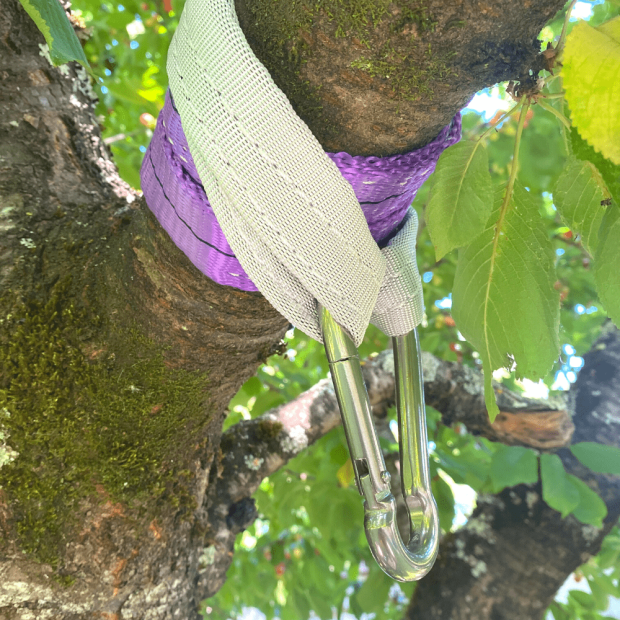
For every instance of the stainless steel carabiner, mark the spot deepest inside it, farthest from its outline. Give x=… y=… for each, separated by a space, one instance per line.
x=402 y=562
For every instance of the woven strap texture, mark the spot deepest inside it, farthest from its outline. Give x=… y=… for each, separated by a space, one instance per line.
x=287 y=213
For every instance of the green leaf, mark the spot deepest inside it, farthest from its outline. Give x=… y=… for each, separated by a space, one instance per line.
x=266 y=401
x=442 y=492
x=253 y=386
x=591 y=508
x=329 y=552
x=607 y=263
x=609 y=559
x=463 y=470
x=314 y=577
x=591 y=75
x=504 y=302
x=611 y=28
x=604 y=584
x=299 y=601
x=372 y=596
x=609 y=171
x=557 y=490
x=512 y=465
x=339 y=454
x=578 y=195
x=51 y=19
x=559 y=613
x=598 y=457
x=568 y=494
x=489 y=393
x=583 y=598
x=600 y=591
x=461 y=196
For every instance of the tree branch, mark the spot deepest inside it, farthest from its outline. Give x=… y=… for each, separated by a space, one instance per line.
x=131 y=296
x=455 y=390
x=515 y=552
x=387 y=79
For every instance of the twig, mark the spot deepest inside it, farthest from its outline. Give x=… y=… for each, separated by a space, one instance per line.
x=559 y=115
x=515 y=158
x=500 y=120
x=560 y=46
x=116 y=138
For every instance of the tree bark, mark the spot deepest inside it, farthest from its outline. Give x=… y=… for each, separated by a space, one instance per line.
x=117 y=361
x=117 y=357
x=384 y=77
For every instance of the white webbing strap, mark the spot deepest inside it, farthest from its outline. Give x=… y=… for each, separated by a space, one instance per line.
x=400 y=305
x=292 y=220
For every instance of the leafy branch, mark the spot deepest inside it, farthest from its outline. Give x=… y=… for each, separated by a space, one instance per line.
x=503 y=244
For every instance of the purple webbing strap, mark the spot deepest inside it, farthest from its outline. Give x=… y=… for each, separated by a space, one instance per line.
x=384 y=186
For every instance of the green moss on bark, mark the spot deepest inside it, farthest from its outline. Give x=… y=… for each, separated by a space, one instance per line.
x=281 y=42
x=268 y=430
x=118 y=417
x=410 y=79
x=281 y=33
x=283 y=22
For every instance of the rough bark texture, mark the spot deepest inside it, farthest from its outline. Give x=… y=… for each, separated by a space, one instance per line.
x=95 y=302
x=118 y=358
x=384 y=77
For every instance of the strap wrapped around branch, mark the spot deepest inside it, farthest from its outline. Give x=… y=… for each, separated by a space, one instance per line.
x=288 y=214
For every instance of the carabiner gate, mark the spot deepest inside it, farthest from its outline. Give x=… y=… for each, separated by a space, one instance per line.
x=402 y=562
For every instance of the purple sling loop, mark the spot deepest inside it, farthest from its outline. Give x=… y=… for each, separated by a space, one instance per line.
x=384 y=187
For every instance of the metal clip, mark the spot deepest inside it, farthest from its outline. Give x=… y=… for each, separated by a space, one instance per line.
x=402 y=562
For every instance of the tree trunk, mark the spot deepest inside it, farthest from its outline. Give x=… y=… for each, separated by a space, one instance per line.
x=117 y=361
x=117 y=357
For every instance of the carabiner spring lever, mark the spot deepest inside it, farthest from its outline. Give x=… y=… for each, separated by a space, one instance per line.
x=402 y=562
